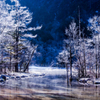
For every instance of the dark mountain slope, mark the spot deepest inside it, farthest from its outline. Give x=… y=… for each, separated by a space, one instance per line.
x=55 y=16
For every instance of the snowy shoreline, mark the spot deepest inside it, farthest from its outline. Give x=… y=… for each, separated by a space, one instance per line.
x=45 y=83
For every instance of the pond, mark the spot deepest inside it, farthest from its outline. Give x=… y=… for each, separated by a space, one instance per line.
x=46 y=83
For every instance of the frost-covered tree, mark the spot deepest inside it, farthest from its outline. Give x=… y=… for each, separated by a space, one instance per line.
x=94 y=26
x=90 y=57
x=71 y=32
x=21 y=18
x=5 y=23
x=14 y=21
x=75 y=44
x=63 y=58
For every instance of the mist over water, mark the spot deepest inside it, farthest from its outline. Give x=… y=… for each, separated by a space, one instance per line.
x=47 y=81
x=51 y=78
x=48 y=77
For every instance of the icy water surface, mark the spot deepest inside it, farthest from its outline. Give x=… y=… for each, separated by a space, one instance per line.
x=46 y=83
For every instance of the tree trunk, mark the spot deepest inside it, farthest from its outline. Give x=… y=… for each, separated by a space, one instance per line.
x=16 y=53
x=96 y=57
x=84 y=59
x=79 y=72
x=70 y=64
x=10 y=62
x=27 y=65
x=96 y=68
x=82 y=71
x=16 y=67
x=67 y=74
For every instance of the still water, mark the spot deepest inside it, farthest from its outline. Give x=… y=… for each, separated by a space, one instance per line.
x=47 y=83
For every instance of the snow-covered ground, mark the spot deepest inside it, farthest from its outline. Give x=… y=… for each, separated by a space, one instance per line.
x=50 y=70
x=47 y=70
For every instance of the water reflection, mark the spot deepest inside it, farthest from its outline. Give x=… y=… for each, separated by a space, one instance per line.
x=49 y=84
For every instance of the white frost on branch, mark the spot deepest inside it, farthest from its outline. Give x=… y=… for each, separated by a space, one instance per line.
x=16 y=2
x=72 y=31
x=37 y=28
x=94 y=24
x=30 y=36
x=63 y=56
x=34 y=28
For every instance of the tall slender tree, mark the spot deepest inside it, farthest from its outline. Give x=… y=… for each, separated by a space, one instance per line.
x=71 y=33
x=63 y=59
x=94 y=26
